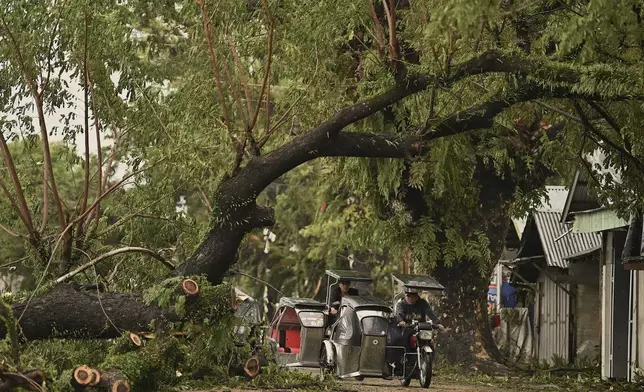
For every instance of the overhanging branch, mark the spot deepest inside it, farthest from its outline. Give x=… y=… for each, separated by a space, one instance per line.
x=128 y=249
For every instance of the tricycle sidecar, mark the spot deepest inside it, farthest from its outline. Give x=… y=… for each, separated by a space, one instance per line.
x=358 y=340
x=296 y=332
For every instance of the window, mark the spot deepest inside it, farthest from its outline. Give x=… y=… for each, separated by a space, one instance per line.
x=375 y=326
x=312 y=319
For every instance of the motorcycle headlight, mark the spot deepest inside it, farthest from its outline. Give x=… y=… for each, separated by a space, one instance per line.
x=426 y=335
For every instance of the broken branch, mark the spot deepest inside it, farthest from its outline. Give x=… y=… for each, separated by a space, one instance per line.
x=128 y=249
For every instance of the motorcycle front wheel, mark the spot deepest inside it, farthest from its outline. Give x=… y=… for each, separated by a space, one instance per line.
x=326 y=370
x=425 y=376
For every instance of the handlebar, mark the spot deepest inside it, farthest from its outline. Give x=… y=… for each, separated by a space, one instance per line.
x=419 y=324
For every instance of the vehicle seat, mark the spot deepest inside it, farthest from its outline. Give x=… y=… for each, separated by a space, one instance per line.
x=293 y=340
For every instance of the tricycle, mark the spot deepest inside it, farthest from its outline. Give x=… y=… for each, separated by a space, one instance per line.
x=362 y=344
x=296 y=332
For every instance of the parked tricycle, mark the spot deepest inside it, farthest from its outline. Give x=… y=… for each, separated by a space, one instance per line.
x=296 y=332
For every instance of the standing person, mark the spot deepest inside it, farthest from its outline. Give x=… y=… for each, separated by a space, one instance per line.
x=508 y=293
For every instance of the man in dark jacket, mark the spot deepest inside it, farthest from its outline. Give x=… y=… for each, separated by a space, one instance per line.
x=412 y=307
x=341 y=290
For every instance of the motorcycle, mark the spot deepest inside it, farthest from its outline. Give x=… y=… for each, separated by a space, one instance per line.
x=420 y=361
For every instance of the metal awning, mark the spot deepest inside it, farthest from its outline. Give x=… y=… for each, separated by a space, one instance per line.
x=420 y=282
x=353 y=276
x=293 y=302
x=556 y=243
x=597 y=220
x=583 y=253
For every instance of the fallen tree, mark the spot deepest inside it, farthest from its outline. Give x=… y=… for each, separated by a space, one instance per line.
x=515 y=79
x=236 y=212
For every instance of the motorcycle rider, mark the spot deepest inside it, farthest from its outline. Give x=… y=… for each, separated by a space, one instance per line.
x=408 y=309
x=412 y=307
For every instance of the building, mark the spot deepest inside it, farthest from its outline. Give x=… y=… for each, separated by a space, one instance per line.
x=558 y=266
x=621 y=280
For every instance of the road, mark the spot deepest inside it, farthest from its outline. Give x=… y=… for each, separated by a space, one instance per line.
x=376 y=385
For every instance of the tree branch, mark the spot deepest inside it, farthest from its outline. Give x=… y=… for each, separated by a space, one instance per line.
x=242 y=74
x=205 y=200
x=390 y=13
x=11 y=232
x=214 y=64
x=262 y=217
x=611 y=121
x=594 y=131
x=83 y=205
x=21 y=206
x=481 y=116
x=380 y=36
x=266 y=76
x=110 y=159
x=236 y=95
x=111 y=253
x=261 y=171
x=31 y=83
x=99 y=153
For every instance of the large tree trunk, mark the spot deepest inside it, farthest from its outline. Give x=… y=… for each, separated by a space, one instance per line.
x=66 y=312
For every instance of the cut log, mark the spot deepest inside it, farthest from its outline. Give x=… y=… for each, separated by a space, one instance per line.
x=82 y=376
x=64 y=312
x=144 y=368
x=114 y=382
x=252 y=367
x=189 y=287
x=96 y=378
x=135 y=339
x=31 y=380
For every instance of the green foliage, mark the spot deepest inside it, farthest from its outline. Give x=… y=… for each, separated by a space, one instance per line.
x=576 y=380
x=154 y=92
x=214 y=302
x=149 y=367
x=57 y=356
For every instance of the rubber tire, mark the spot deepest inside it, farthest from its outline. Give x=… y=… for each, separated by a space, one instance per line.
x=405 y=381
x=426 y=364
x=324 y=370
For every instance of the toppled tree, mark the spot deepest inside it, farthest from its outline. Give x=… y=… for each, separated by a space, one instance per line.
x=441 y=69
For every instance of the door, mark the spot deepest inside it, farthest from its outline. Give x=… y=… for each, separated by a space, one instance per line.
x=621 y=311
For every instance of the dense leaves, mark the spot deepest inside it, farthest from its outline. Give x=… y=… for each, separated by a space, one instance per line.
x=464 y=108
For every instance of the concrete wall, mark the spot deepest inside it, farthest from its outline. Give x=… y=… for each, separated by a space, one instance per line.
x=587 y=322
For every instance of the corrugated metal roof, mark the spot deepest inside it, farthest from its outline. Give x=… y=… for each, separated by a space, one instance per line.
x=597 y=220
x=551 y=229
x=556 y=198
x=579 y=198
